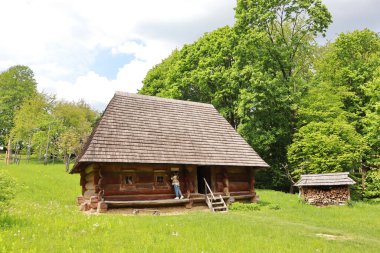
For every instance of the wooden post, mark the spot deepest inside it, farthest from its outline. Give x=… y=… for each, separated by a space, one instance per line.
x=251 y=181
x=213 y=175
x=252 y=184
x=100 y=185
x=226 y=183
x=83 y=181
x=196 y=180
x=189 y=180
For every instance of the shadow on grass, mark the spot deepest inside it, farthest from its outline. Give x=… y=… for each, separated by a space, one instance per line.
x=8 y=221
x=264 y=203
x=261 y=205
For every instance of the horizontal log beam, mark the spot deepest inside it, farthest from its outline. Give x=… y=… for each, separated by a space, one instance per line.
x=162 y=202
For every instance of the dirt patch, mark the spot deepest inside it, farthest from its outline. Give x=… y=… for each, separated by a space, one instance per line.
x=333 y=237
x=163 y=211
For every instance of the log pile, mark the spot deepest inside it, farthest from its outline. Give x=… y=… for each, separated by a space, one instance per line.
x=336 y=195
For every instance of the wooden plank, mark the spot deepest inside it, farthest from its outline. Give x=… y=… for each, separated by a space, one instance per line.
x=139 y=197
x=162 y=202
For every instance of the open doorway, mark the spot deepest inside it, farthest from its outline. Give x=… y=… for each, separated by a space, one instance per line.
x=203 y=172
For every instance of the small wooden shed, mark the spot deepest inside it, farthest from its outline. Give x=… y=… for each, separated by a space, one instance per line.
x=141 y=140
x=325 y=189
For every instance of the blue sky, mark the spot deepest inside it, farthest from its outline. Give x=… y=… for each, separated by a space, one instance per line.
x=108 y=64
x=91 y=48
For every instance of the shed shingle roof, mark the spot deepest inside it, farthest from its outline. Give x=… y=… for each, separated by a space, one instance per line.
x=340 y=178
x=145 y=129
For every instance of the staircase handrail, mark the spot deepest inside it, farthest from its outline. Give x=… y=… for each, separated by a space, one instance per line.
x=208 y=187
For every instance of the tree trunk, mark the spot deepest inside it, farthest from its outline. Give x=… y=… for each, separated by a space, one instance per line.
x=47 y=147
x=39 y=154
x=291 y=189
x=9 y=152
x=29 y=147
x=67 y=162
x=14 y=157
x=363 y=172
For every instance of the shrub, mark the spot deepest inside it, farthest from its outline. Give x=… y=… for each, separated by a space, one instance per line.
x=7 y=191
x=372 y=189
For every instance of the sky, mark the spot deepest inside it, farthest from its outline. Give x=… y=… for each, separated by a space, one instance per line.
x=88 y=49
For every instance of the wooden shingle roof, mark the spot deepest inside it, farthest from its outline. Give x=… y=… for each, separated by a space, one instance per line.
x=145 y=129
x=340 y=178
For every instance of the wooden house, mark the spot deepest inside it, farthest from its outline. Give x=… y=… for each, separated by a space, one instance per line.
x=141 y=140
x=325 y=189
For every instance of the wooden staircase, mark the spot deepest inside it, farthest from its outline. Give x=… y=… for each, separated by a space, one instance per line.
x=215 y=203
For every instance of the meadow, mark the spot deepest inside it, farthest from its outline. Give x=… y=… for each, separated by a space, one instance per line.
x=44 y=217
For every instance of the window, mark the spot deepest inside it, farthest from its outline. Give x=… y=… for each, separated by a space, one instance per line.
x=160 y=179
x=128 y=180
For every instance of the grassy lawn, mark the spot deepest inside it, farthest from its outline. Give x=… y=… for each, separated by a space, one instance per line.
x=45 y=218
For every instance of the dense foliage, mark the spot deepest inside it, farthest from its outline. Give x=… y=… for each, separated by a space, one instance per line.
x=16 y=84
x=304 y=108
x=36 y=123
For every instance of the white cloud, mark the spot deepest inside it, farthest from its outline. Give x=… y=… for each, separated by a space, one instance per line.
x=60 y=39
x=349 y=15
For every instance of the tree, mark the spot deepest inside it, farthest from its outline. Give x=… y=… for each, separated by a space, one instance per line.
x=323 y=147
x=204 y=71
x=264 y=109
x=33 y=116
x=372 y=185
x=283 y=34
x=74 y=124
x=158 y=80
x=287 y=26
x=16 y=84
x=252 y=73
x=51 y=128
x=352 y=62
x=371 y=122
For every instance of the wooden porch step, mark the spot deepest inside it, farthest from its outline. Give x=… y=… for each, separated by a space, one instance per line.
x=215 y=202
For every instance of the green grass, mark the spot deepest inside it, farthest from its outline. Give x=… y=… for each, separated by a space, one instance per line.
x=45 y=218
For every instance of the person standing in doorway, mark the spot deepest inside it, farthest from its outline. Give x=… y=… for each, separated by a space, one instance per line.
x=175 y=183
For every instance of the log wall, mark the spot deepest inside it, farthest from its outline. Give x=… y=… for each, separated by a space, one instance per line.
x=233 y=179
x=139 y=182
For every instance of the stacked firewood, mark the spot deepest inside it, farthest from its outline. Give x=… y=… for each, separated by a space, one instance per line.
x=321 y=196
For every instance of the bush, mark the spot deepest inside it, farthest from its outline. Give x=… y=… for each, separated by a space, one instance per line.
x=7 y=191
x=372 y=189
